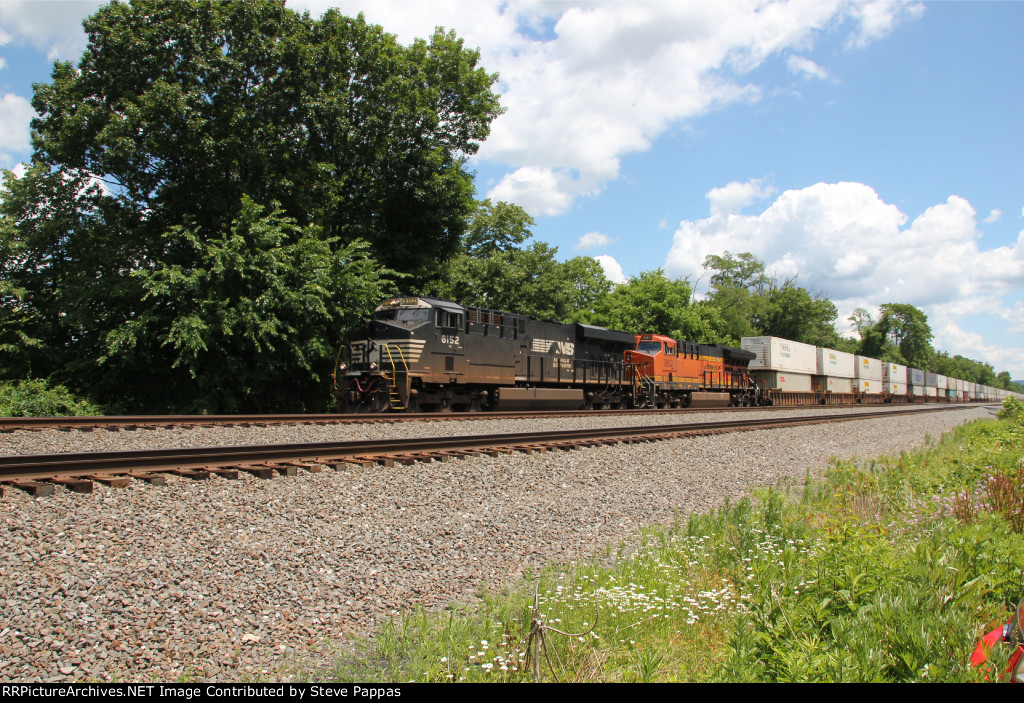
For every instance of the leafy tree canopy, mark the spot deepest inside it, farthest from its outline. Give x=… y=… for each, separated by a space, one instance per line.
x=217 y=188
x=183 y=108
x=494 y=268
x=654 y=303
x=753 y=303
x=906 y=327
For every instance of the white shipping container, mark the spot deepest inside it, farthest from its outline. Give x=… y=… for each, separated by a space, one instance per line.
x=835 y=364
x=894 y=387
x=869 y=369
x=917 y=391
x=784 y=380
x=931 y=391
x=777 y=354
x=833 y=384
x=894 y=373
x=870 y=386
x=942 y=383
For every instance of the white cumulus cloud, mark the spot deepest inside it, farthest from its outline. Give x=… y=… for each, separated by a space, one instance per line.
x=801 y=65
x=612 y=269
x=53 y=26
x=15 y=115
x=593 y=240
x=842 y=239
x=731 y=198
x=586 y=83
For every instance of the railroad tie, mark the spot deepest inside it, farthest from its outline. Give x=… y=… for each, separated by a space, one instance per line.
x=311 y=467
x=405 y=459
x=343 y=464
x=263 y=472
x=113 y=481
x=75 y=485
x=150 y=478
x=284 y=470
x=34 y=488
x=229 y=474
x=191 y=473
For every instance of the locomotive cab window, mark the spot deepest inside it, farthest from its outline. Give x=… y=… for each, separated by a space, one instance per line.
x=403 y=315
x=449 y=319
x=651 y=348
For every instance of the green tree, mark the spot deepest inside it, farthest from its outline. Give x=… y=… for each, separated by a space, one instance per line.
x=494 y=228
x=743 y=270
x=793 y=313
x=906 y=328
x=751 y=303
x=182 y=120
x=653 y=303
x=495 y=269
x=264 y=302
x=185 y=107
x=862 y=321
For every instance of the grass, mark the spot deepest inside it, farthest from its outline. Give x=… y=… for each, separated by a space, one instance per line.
x=888 y=570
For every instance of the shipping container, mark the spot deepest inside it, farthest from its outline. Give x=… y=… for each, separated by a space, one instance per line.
x=869 y=369
x=929 y=379
x=918 y=391
x=915 y=377
x=942 y=383
x=835 y=364
x=832 y=384
x=784 y=380
x=777 y=354
x=869 y=386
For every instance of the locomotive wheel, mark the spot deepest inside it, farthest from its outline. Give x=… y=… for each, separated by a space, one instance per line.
x=687 y=400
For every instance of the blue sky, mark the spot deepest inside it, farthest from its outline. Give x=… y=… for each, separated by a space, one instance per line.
x=869 y=147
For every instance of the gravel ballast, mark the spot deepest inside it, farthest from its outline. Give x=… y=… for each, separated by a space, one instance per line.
x=225 y=580
x=102 y=440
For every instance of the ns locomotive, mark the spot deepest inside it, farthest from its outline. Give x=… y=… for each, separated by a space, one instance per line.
x=426 y=354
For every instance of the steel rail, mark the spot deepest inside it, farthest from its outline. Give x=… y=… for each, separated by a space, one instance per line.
x=36 y=466
x=90 y=422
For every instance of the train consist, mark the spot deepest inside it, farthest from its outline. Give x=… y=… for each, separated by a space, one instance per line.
x=792 y=373
x=425 y=354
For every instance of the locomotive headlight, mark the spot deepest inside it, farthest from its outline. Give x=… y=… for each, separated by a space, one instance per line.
x=373 y=366
x=342 y=367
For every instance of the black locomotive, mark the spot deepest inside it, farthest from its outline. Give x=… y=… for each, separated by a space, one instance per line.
x=425 y=354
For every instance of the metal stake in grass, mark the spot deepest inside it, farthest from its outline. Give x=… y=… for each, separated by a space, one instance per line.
x=537 y=640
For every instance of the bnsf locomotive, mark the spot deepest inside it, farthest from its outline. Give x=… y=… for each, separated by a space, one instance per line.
x=424 y=354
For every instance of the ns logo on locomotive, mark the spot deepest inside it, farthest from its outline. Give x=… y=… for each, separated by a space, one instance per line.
x=427 y=354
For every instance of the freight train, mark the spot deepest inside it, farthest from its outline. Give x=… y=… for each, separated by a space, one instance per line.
x=425 y=354
x=421 y=354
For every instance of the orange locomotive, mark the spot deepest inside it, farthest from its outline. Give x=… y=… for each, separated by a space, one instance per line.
x=667 y=372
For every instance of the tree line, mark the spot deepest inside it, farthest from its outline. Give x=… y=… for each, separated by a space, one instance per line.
x=219 y=192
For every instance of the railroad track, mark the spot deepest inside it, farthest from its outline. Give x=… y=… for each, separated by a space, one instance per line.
x=39 y=474
x=143 y=422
